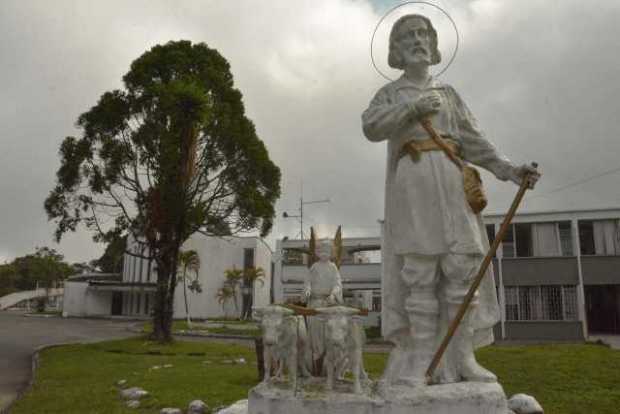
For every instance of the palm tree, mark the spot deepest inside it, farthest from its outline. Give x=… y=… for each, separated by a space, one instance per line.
x=233 y=278
x=189 y=261
x=224 y=294
x=250 y=276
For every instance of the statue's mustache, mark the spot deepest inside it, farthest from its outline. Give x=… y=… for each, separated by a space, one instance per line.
x=420 y=49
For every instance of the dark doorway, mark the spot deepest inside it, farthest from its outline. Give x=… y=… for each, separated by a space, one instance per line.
x=603 y=308
x=117 y=303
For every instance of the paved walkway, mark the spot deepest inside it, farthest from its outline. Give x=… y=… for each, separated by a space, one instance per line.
x=612 y=340
x=20 y=336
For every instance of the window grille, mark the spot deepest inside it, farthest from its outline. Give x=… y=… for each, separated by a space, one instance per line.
x=541 y=303
x=376 y=303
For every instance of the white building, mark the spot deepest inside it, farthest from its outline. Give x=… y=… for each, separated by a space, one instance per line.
x=557 y=273
x=132 y=292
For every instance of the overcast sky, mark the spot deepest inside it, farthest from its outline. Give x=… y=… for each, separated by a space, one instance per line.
x=541 y=76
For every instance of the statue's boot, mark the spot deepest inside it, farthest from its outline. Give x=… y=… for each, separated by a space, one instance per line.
x=423 y=318
x=462 y=352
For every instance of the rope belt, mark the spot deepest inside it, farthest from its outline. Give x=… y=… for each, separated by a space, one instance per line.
x=415 y=148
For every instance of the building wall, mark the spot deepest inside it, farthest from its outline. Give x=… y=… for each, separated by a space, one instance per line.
x=542 y=296
x=216 y=256
x=545 y=330
x=79 y=300
x=601 y=270
x=262 y=259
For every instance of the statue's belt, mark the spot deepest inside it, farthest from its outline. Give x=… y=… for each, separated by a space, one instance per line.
x=415 y=147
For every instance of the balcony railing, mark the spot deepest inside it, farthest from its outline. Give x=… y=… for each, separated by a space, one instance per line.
x=531 y=271
x=363 y=272
x=600 y=270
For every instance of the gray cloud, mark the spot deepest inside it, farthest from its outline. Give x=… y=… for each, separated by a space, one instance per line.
x=541 y=76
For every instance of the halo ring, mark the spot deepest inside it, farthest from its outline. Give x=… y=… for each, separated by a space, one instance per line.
x=390 y=11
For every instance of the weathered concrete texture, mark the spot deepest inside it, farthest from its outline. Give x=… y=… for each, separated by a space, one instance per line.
x=240 y=407
x=461 y=398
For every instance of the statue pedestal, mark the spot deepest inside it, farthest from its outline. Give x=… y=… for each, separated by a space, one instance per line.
x=311 y=398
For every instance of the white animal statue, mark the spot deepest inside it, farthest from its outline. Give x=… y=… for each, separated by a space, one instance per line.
x=285 y=341
x=344 y=339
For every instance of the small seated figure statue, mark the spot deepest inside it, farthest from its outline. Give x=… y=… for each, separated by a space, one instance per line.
x=323 y=287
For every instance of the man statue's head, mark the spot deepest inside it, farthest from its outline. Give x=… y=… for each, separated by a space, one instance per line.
x=324 y=250
x=413 y=41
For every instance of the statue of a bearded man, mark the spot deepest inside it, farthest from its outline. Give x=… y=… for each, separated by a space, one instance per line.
x=433 y=242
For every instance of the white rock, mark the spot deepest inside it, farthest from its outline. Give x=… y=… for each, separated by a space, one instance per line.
x=524 y=404
x=168 y=366
x=170 y=411
x=197 y=407
x=241 y=361
x=133 y=393
x=240 y=407
x=155 y=367
x=133 y=404
x=121 y=383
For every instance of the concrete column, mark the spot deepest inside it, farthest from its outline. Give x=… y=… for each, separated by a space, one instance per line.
x=581 y=306
x=278 y=289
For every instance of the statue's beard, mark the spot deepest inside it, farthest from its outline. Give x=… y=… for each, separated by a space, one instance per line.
x=418 y=55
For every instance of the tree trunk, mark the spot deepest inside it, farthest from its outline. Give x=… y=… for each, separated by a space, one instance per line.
x=163 y=311
x=189 y=321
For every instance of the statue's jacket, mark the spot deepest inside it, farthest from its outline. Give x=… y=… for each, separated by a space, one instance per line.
x=426 y=211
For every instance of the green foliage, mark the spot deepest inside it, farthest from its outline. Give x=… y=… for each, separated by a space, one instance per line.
x=252 y=275
x=44 y=268
x=175 y=140
x=171 y=154
x=189 y=261
x=40 y=305
x=111 y=261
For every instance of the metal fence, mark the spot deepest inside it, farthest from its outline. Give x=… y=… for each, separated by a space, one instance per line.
x=541 y=303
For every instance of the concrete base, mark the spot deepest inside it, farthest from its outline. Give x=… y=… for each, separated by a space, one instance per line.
x=311 y=398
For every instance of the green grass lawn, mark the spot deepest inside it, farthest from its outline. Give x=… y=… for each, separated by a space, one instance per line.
x=566 y=379
x=228 y=327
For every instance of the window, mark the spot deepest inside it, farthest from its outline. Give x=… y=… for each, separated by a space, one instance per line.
x=147 y=311
x=541 y=303
x=248 y=258
x=523 y=237
x=148 y=272
x=138 y=297
x=508 y=243
x=140 y=271
x=367 y=256
x=294 y=257
x=376 y=303
x=490 y=232
x=586 y=237
x=566 y=238
x=512 y=303
x=135 y=263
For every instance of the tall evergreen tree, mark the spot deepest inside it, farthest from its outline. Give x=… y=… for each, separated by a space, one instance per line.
x=171 y=154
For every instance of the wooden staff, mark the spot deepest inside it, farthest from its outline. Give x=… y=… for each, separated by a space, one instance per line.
x=483 y=268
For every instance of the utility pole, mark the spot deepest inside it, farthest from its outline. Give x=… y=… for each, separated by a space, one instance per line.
x=301 y=211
